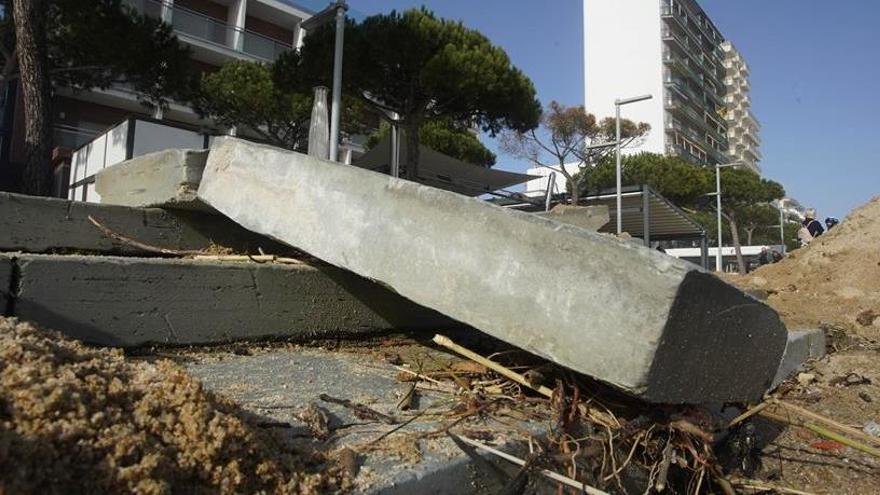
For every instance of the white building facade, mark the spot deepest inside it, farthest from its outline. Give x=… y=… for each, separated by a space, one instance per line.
x=671 y=50
x=742 y=126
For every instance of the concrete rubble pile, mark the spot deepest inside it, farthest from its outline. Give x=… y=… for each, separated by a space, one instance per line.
x=393 y=255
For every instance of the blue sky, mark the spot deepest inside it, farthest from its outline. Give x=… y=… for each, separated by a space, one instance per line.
x=815 y=78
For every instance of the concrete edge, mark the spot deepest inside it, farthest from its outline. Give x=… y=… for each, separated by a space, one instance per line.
x=801 y=346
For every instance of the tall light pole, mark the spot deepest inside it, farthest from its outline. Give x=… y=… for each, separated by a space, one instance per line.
x=334 y=12
x=718 y=168
x=617 y=104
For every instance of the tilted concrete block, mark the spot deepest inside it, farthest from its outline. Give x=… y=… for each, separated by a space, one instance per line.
x=38 y=225
x=660 y=328
x=586 y=217
x=124 y=302
x=168 y=179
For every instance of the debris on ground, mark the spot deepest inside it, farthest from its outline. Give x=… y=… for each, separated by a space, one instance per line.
x=835 y=281
x=74 y=418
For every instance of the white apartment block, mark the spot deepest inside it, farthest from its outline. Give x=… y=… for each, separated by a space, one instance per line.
x=742 y=126
x=671 y=50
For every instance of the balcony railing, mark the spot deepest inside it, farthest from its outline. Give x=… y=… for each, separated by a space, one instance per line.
x=207 y=28
x=264 y=47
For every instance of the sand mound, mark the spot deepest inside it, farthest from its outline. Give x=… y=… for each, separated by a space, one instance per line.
x=835 y=280
x=80 y=420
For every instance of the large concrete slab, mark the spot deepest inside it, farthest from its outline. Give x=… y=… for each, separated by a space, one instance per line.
x=659 y=328
x=124 y=302
x=168 y=179
x=39 y=225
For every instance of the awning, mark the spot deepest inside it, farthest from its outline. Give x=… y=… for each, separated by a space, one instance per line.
x=443 y=171
x=645 y=211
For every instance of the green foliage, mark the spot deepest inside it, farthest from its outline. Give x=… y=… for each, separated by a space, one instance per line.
x=673 y=177
x=424 y=69
x=244 y=94
x=562 y=137
x=447 y=138
x=93 y=43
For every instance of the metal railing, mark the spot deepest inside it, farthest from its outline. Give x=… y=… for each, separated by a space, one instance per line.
x=214 y=30
x=72 y=137
x=264 y=47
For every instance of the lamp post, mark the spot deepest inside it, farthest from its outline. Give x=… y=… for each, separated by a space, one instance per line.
x=617 y=104
x=718 y=168
x=334 y=12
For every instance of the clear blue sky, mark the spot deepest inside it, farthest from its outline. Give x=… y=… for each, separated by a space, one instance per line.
x=815 y=78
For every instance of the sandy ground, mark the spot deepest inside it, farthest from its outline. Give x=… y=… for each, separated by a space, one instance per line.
x=833 y=284
x=80 y=420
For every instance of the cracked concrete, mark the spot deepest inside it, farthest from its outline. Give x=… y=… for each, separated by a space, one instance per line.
x=120 y=301
x=167 y=179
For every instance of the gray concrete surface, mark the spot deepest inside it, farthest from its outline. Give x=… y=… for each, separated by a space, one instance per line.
x=657 y=327
x=168 y=179
x=125 y=302
x=279 y=385
x=585 y=217
x=801 y=346
x=5 y=284
x=38 y=225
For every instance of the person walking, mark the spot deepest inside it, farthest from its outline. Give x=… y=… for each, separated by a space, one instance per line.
x=812 y=225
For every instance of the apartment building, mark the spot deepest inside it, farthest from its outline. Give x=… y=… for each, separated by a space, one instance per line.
x=215 y=31
x=742 y=126
x=671 y=50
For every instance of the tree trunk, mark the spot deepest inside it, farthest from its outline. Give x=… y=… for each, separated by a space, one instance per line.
x=734 y=234
x=572 y=186
x=749 y=236
x=30 y=32
x=411 y=131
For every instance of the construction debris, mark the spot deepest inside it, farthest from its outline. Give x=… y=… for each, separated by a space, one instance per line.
x=657 y=327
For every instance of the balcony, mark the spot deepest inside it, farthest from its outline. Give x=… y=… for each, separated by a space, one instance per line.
x=264 y=47
x=201 y=26
x=208 y=29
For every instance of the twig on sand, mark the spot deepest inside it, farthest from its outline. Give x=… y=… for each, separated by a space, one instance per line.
x=760 y=485
x=520 y=462
x=823 y=432
x=360 y=410
x=829 y=422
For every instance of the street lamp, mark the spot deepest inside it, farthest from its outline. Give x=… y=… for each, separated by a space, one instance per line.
x=617 y=104
x=718 y=207
x=335 y=11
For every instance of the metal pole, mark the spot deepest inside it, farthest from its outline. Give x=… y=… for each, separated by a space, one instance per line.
x=395 y=164
x=646 y=215
x=619 y=180
x=781 y=228
x=337 y=81
x=718 y=207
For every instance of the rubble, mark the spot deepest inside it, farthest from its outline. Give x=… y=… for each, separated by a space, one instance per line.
x=659 y=328
x=168 y=179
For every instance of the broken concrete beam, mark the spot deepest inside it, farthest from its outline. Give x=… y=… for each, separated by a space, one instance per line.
x=5 y=283
x=585 y=217
x=126 y=302
x=167 y=179
x=801 y=346
x=39 y=225
x=657 y=327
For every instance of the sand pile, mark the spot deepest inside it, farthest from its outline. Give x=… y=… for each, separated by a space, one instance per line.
x=835 y=280
x=80 y=420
